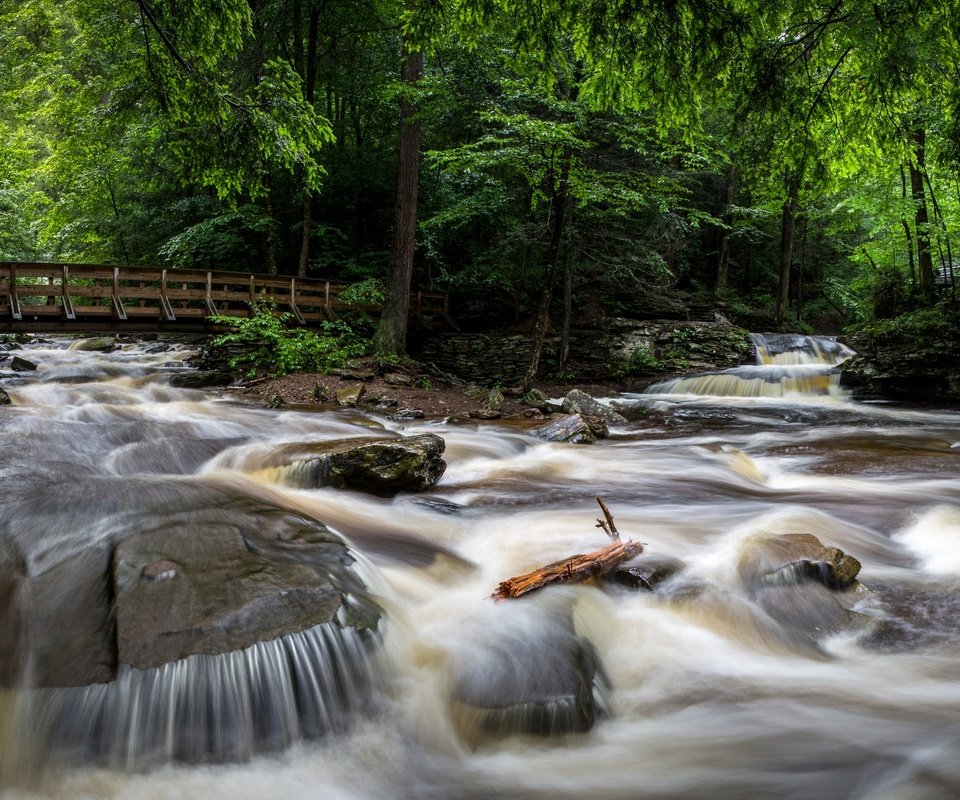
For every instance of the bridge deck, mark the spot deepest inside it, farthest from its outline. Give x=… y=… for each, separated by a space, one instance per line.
x=89 y=297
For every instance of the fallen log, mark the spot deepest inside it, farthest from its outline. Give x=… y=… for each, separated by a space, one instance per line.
x=576 y=568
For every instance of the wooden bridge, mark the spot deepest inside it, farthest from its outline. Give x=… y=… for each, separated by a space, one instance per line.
x=88 y=297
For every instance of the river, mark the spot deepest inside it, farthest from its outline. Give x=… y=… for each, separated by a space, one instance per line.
x=708 y=693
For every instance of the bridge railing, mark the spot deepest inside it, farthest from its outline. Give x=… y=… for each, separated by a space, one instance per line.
x=65 y=293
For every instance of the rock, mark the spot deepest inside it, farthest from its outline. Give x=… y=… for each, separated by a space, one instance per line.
x=527 y=677
x=349 y=396
x=573 y=428
x=407 y=413
x=160 y=570
x=100 y=343
x=201 y=379
x=796 y=557
x=647 y=572
x=22 y=365
x=180 y=594
x=808 y=588
x=355 y=374
x=397 y=379
x=491 y=406
x=4 y=398
x=578 y=402
x=535 y=398
x=378 y=466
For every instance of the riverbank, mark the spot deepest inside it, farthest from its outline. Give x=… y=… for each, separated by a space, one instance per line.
x=432 y=396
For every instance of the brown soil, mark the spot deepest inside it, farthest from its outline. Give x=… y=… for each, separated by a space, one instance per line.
x=433 y=397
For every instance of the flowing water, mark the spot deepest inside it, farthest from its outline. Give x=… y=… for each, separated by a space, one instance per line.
x=703 y=690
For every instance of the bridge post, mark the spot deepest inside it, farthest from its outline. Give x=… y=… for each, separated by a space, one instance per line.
x=165 y=307
x=117 y=302
x=65 y=300
x=12 y=293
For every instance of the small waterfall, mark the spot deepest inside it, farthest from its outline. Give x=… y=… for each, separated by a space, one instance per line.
x=787 y=365
x=206 y=708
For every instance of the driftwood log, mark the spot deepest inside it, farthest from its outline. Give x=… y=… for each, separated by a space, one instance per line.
x=575 y=568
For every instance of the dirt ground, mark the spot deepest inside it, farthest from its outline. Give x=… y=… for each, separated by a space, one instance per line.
x=435 y=398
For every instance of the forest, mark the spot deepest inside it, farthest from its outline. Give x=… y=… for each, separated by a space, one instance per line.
x=796 y=162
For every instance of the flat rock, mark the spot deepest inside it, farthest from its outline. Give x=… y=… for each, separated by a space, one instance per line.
x=398 y=379
x=579 y=402
x=349 y=396
x=100 y=343
x=183 y=592
x=152 y=571
x=407 y=413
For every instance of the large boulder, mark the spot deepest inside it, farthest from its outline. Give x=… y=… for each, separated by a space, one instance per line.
x=149 y=572
x=97 y=343
x=379 y=466
x=579 y=402
x=179 y=593
x=808 y=588
x=574 y=429
x=531 y=675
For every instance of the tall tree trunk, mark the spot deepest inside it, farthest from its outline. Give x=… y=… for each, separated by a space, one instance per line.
x=921 y=219
x=271 y=226
x=723 y=259
x=787 y=225
x=309 y=65
x=906 y=228
x=561 y=201
x=568 y=270
x=391 y=334
x=803 y=260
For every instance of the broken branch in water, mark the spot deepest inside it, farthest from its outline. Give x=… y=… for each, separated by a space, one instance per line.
x=575 y=568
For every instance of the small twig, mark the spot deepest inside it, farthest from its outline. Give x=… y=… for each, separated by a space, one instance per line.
x=609 y=527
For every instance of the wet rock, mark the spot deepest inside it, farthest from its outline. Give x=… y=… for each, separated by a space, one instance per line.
x=349 y=396
x=170 y=456
x=154 y=571
x=573 y=428
x=535 y=398
x=4 y=398
x=201 y=379
x=180 y=594
x=807 y=587
x=97 y=343
x=19 y=364
x=533 y=676
x=798 y=557
x=407 y=413
x=379 y=466
x=647 y=572
x=579 y=402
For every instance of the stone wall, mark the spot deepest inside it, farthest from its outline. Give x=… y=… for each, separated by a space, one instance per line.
x=615 y=349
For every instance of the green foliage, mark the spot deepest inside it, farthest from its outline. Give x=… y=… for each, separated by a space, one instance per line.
x=279 y=349
x=921 y=326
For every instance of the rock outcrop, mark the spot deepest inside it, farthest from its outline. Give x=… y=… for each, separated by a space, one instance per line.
x=379 y=466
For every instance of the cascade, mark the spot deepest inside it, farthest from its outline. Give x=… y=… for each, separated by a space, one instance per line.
x=787 y=365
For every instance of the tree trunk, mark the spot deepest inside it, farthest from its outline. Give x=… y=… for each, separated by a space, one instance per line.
x=906 y=228
x=391 y=334
x=787 y=224
x=309 y=66
x=560 y=204
x=568 y=270
x=723 y=259
x=800 y=266
x=271 y=226
x=921 y=220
